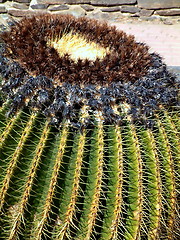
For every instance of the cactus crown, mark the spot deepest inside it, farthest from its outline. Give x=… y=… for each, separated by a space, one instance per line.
x=121 y=78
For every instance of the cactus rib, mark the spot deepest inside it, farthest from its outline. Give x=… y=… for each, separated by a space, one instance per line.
x=173 y=136
x=170 y=178
x=75 y=181
x=4 y=105
x=15 y=158
x=95 y=201
x=114 y=200
x=135 y=186
x=8 y=128
x=68 y=218
x=92 y=201
x=28 y=186
x=154 y=185
x=41 y=225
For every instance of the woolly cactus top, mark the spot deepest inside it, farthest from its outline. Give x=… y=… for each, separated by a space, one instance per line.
x=58 y=64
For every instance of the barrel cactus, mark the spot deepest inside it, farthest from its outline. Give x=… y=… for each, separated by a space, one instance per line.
x=89 y=131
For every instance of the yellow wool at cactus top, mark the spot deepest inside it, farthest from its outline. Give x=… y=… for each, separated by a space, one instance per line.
x=78 y=47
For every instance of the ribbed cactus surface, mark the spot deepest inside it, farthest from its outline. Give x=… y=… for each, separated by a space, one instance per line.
x=104 y=182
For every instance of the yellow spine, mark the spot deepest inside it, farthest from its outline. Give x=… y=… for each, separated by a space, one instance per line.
x=8 y=128
x=118 y=197
x=153 y=233
x=136 y=214
x=28 y=186
x=53 y=182
x=95 y=201
x=71 y=206
x=171 y=179
x=15 y=158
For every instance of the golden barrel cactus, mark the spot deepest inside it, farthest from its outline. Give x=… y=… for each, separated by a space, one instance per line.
x=89 y=131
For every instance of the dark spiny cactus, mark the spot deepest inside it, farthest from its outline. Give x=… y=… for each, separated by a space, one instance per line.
x=90 y=148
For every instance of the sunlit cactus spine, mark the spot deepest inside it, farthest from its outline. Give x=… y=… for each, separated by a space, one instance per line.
x=86 y=171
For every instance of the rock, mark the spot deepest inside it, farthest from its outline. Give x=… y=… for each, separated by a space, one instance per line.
x=129 y=9
x=158 y=4
x=4 y=18
x=63 y=1
x=112 y=2
x=98 y=14
x=174 y=70
x=145 y=13
x=2 y=29
x=111 y=9
x=151 y=18
x=3 y=9
x=23 y=1
x=167 y=22
x=39 y=6
x=76 y=11
x=168 y=12
x=24 y=13
x=58 y=7
x=77 y=1
x=11 y=23
x=5 y=22
x=34 y=2
x=87 y=7
x=19 y=5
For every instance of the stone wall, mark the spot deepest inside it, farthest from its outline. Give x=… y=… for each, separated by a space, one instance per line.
x=99 y=9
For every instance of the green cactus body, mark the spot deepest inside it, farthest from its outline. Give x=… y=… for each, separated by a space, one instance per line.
x=113 y=214
x=109 y=182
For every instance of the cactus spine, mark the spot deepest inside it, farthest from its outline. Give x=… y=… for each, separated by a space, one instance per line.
x=110 y=182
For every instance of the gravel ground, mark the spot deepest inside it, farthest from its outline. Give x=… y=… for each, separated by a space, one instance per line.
x=163 y=39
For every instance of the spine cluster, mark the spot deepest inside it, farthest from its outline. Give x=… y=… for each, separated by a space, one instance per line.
x=127 y=81
x=107 y=182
